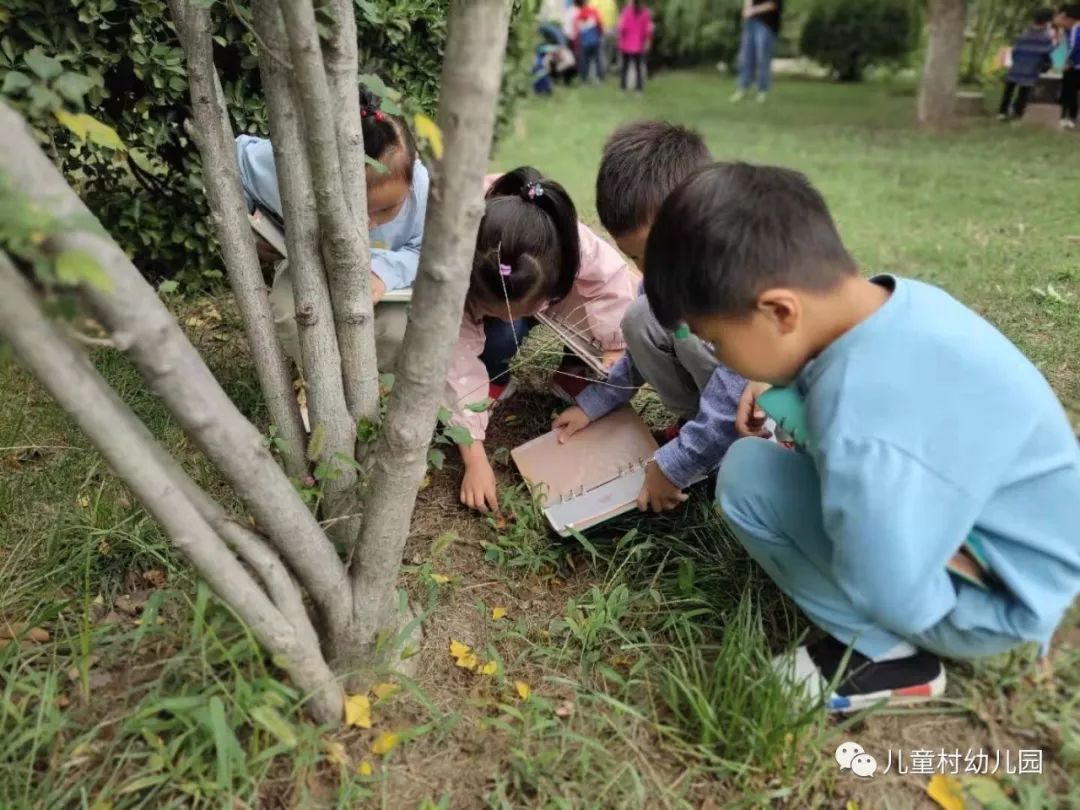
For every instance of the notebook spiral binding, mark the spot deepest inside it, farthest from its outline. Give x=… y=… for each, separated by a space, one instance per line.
x=629 y=469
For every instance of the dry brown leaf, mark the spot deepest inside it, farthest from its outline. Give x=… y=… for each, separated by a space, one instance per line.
x=155 y=578
x=565 y=709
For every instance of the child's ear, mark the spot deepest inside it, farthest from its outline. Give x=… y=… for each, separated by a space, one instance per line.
x=782 y=307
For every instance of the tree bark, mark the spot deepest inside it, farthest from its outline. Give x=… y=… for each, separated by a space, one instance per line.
x=344 y=237
x=941 y=70
x=221 y=178
x=68 y=376
x=141 y=327
x=320 y=353
x=472 y=69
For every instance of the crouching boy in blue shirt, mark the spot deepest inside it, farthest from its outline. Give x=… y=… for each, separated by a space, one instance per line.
x=932 y=509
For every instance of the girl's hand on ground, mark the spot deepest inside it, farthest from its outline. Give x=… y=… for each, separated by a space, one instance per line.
x=749 y=418
x=611 y=356
x=658 y=493
x=570 y=422
x=478 y=489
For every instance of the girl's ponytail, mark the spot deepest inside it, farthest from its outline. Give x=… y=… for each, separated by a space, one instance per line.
x=387 y=138
x=532 y=216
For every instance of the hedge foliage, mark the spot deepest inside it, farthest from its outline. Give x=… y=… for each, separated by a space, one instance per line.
x=848 y=36
x=121 y=61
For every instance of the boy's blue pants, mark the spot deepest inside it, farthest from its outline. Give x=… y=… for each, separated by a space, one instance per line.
x=771 y=498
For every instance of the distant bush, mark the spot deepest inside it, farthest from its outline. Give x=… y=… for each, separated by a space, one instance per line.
x=690 y=32
x=848 y=36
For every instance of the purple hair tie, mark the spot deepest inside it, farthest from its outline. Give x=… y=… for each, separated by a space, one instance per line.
x=534 y=190
x=504 y=269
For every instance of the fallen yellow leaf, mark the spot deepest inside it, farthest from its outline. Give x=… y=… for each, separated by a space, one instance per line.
x=469 y=662
x=82 y=501
x=498 y=612
x=851 y=805
x=364 y=768
x=523 y=689
x=459 y=649
x=358 y=711
x=384 y=690
x=425 y=483
x=440 y=579
x=946 y=791
x=490 y=668
x=385 y=743
x=335 y=752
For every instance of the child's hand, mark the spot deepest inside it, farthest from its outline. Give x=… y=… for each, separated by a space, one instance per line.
x=570 y=422
x=749 y=418
x=611 y=356
x=658 y=493
x=478 y=488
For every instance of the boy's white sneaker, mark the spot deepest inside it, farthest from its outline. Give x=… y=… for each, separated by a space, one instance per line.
x=1067 y=124
x=737 y=96
x=761 y=98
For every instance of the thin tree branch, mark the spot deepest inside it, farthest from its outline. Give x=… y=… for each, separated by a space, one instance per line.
x=140 y=326
x=344 y=232
x=320 y=353
x=214 y=138
x=472 y=69
x=68 y=376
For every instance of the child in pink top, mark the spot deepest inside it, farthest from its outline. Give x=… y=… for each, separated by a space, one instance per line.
x=635 y=39
x=532 y=254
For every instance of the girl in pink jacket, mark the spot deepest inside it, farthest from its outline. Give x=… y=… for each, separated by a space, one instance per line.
x=635 y=39
x=532 y=254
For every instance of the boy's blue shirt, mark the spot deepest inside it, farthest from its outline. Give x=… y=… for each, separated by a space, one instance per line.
x=395 y=246
x=928 y=426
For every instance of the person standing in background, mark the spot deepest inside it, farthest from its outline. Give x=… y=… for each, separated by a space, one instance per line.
x=609 y=19
x=635 y=39
x=1068 y=20
x=761 y=27
x=588 y=36
x=1030 y=58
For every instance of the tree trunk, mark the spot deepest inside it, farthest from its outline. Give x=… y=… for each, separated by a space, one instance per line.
x=80 y=391
x=472 y=69
x=941 y=70
x=147 y=332
x=319 y=350
x=213 y=135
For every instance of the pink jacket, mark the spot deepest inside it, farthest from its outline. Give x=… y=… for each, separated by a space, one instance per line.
x=635 y=29
x=603 y=290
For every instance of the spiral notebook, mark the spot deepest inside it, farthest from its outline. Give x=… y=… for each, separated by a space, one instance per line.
x=269 y=228
x=595 y=476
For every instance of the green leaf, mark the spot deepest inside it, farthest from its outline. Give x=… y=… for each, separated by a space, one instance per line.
x=480 y=407
x=376 y=165
x=73 y=86
x=377 y=86
x=436 y=458
x=14 y=82
x=444 y=416
x=387 y=381
x=270 y=719
x=44 y=67
x=317 y=443
x=75 y=267
x=459 y=435
x=224 y=741
x=87 y=128
x=143 y=782
x=42 y=98
x=169 y=286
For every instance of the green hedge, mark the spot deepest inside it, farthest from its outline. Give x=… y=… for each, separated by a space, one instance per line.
x=120 y=60
x=848 y=36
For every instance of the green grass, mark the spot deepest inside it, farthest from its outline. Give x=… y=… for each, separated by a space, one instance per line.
x=645 y=646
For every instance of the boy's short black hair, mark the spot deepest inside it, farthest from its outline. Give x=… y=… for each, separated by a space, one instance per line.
x=642 y=162
x=732 y=231
x=1043 y=16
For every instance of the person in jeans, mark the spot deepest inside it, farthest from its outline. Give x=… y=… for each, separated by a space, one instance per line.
x=1030 y=57
x=588 y=36
x=1068 y=20
x=761 y=27
x=635 y=38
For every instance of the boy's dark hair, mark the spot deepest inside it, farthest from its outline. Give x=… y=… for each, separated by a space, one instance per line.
x=641 y=163
x=1043 y=16
x=530 y=226
x=387 y=138
x=733 y=230
x=1072 y=10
